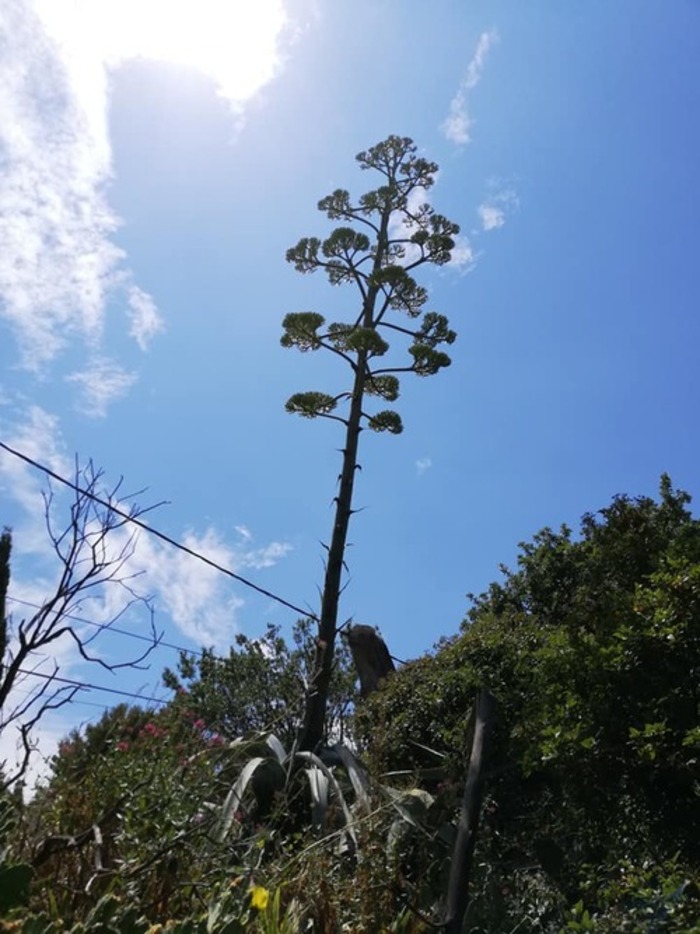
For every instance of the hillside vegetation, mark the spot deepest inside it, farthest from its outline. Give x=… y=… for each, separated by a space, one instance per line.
x=196 y=818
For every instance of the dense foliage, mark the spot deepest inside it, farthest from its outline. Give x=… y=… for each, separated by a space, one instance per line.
x=261 y=684
x=592 y=649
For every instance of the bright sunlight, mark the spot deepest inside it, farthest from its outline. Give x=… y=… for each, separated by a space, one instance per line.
x=232 y=41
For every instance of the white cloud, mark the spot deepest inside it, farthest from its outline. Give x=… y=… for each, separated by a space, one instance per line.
x=203 y=603
x=199 y=599
x=457 y=125
x=399 y=229
x=145 y=320
x=491 y=216
x=266 y=557
x=476 y=65
x=60 y=268
x=423 y=464
x=497 y=207
x=56 y=257
x=101 y=383
x=34 y=433
x=463 y=254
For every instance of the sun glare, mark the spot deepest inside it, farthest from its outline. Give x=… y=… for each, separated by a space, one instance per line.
x=232 y=41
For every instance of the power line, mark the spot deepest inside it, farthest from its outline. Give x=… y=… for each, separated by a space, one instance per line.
x=161 y=535
x=75 y=703
x=107 y=627
x=84 y=685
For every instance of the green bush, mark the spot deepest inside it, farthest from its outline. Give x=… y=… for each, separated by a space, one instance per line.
x=592 y=648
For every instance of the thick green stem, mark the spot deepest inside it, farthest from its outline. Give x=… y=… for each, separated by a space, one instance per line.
x=317 y=699
x=315 y=713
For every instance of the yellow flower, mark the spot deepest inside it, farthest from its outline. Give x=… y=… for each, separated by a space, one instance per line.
x=259 y=897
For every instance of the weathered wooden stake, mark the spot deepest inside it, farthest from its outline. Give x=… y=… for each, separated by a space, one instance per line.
x=460 y=870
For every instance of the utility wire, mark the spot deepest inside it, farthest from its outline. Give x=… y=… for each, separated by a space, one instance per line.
x=80 y=703
x=84 y=685
x=107 y=627
x=161 y=535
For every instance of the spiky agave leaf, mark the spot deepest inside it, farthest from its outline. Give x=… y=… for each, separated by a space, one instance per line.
x=356 y=773
x=314 y=760
x=318 y=785
x=233 y=799
x=276 y=746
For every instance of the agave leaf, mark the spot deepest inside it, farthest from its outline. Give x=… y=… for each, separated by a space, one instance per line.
x=313 y=759
x=356 y=773
x=318 y=783
x=233 y=799
x=277 y=747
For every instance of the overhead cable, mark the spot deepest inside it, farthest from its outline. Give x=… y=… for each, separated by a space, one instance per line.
x=161 y=535
x=86 y=686
x=108 y=627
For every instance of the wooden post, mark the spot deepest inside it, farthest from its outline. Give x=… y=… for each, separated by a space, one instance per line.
x=460 y=870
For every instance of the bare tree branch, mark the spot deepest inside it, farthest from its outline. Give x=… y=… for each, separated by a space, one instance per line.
x=93 y=549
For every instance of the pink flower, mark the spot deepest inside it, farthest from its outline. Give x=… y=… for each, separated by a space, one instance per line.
x=123 y=746
x=199 y=724
x=150 y=729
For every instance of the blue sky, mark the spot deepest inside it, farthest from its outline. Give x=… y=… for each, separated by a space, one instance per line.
x=147 y=198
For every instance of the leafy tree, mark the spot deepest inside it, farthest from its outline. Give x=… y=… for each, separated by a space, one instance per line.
x=257 y=687
x=592 y=647
x=384 y=237
x=126 y=805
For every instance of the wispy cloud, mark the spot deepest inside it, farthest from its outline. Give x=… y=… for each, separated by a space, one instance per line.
x=463 y=254
x=423 y=464
x=265 y=557
x=58 y=262
x=491 y=216
x=244 y=532
x=497 y=207
x=61 y=271
x=202 y=602
x=34 y=432
x=457 y=125
x=102 y=382
x=146 y=322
